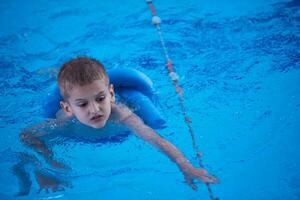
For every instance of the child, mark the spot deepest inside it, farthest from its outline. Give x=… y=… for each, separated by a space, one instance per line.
x=89 y=97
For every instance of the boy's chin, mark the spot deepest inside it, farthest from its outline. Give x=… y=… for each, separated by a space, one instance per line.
x=98 y=125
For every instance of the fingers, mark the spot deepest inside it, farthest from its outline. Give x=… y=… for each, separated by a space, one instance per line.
x=55 y=188
x=202 y=172
x=191 y=183
x=58 y=189
x=209 y=179
x=214 y=179
x=67 y=184
x=203 y=175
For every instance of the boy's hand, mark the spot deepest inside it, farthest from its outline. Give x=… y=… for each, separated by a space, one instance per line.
x=191 y=173
x=50 y=182
x=23 y=178
x=58 y=165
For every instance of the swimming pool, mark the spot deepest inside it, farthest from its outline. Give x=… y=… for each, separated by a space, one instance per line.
x=238 y=64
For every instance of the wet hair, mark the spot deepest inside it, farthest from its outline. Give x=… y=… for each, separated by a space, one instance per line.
x=79 y=72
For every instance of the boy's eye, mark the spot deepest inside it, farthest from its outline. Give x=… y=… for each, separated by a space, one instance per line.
x=99 y=99
x=82 y=104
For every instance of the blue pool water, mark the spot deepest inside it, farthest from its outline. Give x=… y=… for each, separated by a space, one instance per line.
x=239 y=67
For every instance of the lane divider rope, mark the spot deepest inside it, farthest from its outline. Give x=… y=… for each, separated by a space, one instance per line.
x=156 y=21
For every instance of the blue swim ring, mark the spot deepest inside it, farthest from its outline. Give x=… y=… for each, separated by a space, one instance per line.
x=133 y=88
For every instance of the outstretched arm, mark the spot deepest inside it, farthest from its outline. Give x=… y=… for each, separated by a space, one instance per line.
x=149 y=135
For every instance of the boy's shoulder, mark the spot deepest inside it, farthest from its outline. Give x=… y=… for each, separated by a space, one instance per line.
x=61 y=115
x=119 y=112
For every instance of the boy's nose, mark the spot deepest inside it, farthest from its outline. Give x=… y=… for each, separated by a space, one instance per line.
x=94 y=107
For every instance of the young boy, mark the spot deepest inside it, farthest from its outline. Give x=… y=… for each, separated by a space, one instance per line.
x=89 y=97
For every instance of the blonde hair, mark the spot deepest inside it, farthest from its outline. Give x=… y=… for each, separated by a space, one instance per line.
x=79 y=72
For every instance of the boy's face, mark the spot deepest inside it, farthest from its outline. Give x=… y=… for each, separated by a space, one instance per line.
x=91 y=104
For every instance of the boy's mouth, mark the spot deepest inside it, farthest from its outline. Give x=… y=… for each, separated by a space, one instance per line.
x=96 y=117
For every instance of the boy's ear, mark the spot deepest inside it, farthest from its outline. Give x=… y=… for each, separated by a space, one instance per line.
x=67 y=108
x=112 y=93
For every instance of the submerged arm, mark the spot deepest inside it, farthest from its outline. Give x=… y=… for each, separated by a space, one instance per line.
x=32 y=137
